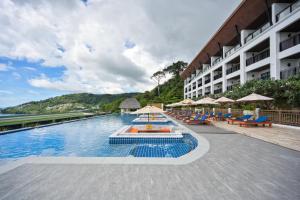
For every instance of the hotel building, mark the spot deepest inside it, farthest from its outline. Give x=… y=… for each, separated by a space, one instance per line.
x=260 y=40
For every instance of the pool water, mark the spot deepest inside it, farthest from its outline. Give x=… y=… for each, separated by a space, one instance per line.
x=86 y=138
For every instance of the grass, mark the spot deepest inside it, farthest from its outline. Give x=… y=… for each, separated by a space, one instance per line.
x=17 y=120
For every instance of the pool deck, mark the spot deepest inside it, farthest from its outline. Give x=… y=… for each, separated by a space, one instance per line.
x=283 y=136
x=236 y=167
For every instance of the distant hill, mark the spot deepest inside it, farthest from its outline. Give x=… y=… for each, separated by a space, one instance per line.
x=67 y=103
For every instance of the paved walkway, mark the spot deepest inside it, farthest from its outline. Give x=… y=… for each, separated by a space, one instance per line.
x=286 y=137
x=236 y=167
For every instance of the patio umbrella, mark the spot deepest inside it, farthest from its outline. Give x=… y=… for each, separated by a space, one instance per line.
x=224 y=100
x=186 y=102
x=148 y=110
x=254 y=98
x=206 y=101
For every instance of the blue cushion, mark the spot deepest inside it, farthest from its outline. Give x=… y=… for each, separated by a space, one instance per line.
x=261 y=119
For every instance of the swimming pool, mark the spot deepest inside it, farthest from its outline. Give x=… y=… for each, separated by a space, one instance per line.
x=86 y=138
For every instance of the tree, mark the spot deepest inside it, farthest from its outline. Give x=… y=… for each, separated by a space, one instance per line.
x=176 y=68
x=158 y=76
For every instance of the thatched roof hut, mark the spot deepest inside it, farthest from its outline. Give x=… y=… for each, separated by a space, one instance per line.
x=130 y=104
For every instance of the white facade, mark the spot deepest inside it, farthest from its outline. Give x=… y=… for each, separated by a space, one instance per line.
x=270 y=52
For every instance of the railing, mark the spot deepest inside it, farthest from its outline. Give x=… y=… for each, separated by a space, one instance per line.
x=287 y=10
x=257 y=32
x=285 y=74
x=207 y=81
x=218 y=76
x=264 y=54
x=217 y=91
x=234 y=68
x=289 y=117
x=230 y=87
x=200 y=84
x=265 y=76
x=217 y=61
x=292 y=41
x=232 y=50
x=206 y=93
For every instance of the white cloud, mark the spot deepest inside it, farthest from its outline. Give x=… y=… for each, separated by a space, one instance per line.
x=30 y=68
x=3 y=67
x=5 y=92
x=16 y=75
x=107 y=46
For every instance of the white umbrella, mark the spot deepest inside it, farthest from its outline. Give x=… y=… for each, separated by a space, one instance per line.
x=206 y=101
x=186 y=102
x=224 y=100
x=254 y=97
x=148 y=110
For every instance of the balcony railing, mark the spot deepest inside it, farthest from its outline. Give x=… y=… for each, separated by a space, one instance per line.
x=217 y=76
x=230 y=87
x=217 y=61
x=217 y=91
x=234 y=68
x=265 y=76
x=264 y=54
x=292 y=41
x=200 y=84
x=232 y=50
x=207 y=92
x=207 y=81
x=287 y=10
x=285 y=74
x=257 y=32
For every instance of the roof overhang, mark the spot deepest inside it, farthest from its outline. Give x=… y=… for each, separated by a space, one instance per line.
x=247 y=15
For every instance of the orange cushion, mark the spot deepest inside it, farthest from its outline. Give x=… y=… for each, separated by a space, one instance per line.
x=165 y=130
x=134 y=130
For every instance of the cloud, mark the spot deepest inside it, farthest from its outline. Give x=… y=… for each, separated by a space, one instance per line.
x=3 y=67
x=30 y=68
x=16 y=75
x=106 y=46
x=5 y=92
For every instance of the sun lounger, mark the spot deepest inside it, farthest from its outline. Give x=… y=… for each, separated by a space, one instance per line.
x=239 y=119
x=263 y=120
x=194 y=118
x=222 y=117
x=203 y=120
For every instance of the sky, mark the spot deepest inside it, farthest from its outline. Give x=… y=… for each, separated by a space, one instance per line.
x=50 y=48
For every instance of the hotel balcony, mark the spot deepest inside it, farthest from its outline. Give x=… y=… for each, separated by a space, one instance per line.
x=232 y=50
x=230 y=87
x=218 y=91
x=292 y=41
x=287 y=10
x=218 y=60
x=233 y=68
x=207 y=81
x=217 y=76
x=258 y=57
x=257 y=32
x=287 y=73
x=199 y=83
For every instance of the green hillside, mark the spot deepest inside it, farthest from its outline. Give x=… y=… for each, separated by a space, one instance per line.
x=67 y=103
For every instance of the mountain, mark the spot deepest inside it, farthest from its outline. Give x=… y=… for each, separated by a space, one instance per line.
x=170 y=91
x=67 y=103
